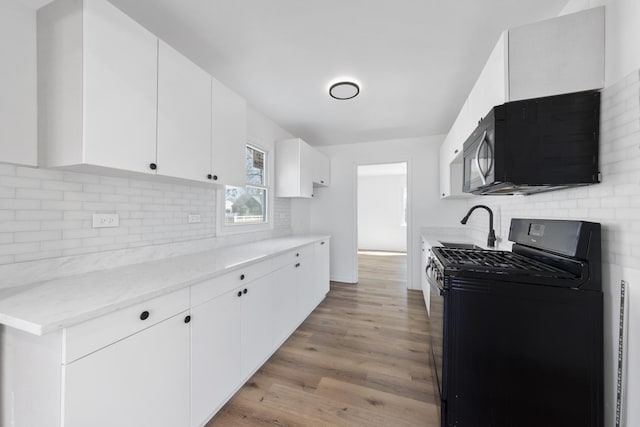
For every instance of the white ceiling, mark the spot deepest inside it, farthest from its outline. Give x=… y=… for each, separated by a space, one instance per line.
x=416 y=60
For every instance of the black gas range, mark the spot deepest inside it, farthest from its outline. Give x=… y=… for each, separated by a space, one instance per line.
x=516 y=336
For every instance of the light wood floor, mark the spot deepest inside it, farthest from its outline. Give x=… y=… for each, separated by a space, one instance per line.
x=360 y=359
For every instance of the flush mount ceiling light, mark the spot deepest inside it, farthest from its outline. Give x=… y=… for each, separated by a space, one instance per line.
x=344 y=90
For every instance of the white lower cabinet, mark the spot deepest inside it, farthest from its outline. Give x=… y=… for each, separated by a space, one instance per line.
x=171 y=361
x=141 y=380
x=307 y=295
x=285 y=296
x=256 y=324
x=215 y=346
x=321 y=269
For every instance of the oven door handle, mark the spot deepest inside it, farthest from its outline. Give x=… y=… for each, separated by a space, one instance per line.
x=432 y=283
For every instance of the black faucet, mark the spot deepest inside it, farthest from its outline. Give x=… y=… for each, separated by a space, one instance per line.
x=491 y=239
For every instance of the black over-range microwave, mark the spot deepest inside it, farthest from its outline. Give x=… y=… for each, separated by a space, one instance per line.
x=535 y=145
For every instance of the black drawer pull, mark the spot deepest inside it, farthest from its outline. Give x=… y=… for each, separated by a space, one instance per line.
x=153 y=166
x=244 y=291
x=144 y=315
x=297 y=254
x=187 y=319
x=242 y=277
x=322 y=243
x=209 y=176
x=297 y=265
x=215 y=177
x=239 y=293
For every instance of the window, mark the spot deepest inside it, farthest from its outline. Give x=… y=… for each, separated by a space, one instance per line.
x=248 y=204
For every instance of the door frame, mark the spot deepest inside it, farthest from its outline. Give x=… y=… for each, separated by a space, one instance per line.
x=409 y=230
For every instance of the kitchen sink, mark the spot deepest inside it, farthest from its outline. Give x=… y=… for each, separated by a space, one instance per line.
x=459 y=245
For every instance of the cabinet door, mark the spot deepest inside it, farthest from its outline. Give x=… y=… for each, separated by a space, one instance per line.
x=285 y=303
x=321 y=273
x=445 y=163
x=307 y=300
x=321 y=169
x=141 y=380
x=305 y=169
x=120 y=72
x=184 y=117
x=215 y=351
x=229 y=138
x=256 y=324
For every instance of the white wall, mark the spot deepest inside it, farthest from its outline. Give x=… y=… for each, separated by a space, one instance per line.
x=333 y=210
x=381 y=213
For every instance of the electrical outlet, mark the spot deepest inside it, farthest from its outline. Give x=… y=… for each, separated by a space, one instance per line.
x=106 y=220
x=194 y=218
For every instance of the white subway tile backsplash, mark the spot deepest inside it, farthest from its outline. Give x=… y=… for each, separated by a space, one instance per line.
x=47 y=214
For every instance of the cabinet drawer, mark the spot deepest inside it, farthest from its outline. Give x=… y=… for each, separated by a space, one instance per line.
x=205 y=291
x=87 y=337
x=291 y=256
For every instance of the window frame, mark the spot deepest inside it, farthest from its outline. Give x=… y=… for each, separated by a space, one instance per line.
x=222 y=228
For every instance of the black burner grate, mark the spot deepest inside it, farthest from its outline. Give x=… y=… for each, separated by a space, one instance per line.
x=500 y=261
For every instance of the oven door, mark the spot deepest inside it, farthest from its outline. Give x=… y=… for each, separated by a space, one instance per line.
x=436 y=326
x=479 y=157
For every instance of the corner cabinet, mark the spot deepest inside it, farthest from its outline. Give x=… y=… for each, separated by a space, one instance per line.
x=300 y=168
x=97 y=87
x=294 y=163
x=551 y=57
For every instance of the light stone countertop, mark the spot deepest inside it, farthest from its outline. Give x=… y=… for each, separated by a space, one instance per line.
x=48 y=306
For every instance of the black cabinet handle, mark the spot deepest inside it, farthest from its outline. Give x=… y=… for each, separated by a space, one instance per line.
x=442 y=194
x=215 y=177
x=144 y=315
x=187 y=319
x=322 y=243
x=244 y=291
x=321 y=182
x=242 y=277
x=297 y=265
x=209 y=176
x=153 y=166
x=297 y=254
x=455 y=152
x=239 y=293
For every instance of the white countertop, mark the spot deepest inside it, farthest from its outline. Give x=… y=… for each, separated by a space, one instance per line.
x=48 y=306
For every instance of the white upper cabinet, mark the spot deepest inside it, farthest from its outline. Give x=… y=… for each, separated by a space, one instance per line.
x=184 y=117
x=97 y=82
x=560 y=55
x=321 y=169
x=294 y=172
x=229 y=124
x=112 y=96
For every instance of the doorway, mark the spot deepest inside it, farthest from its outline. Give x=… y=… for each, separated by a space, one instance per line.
x=382 y=218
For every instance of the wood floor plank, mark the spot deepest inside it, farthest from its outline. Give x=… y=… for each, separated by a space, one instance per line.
x=360 y=359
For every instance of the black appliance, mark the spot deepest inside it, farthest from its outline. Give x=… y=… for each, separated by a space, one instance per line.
x=517 y=337
x=535 y=145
